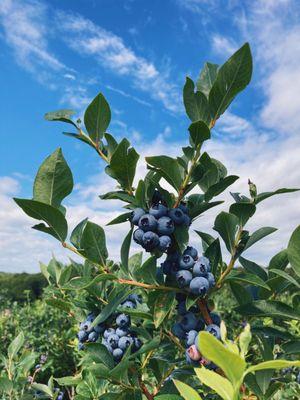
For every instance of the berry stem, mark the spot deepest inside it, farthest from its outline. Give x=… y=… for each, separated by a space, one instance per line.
x=145 y=390
x=204 y=311
x=149 y=287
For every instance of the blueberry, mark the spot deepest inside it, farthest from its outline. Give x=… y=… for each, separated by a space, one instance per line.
x=128 y=304
x=177 y=215
x=158 y=210
x=43 y=358
x=186 y=220
x=125 y=342
x=180 y=297
x=211 y=279
x=183 y=278
x=191 y=251
x=150 y=240
x=214 y=330
x=108 y=346
x=201 y=268
x=186 y=262
x=183 y=208
x=108 y=332
x=181 y=308
x=82 y=336
x=216 y=319
x=137 y=344
x=200 y=324
x=117 y=354
x=136 y=215
x=86 y=326
x=137 y=298
x=123 y=320
x=138 y=236
x=90 y=317
x=121 y=332
x=199 y=286
x=165 y=226
x=190 y=337
x=60 y=396
x=100 y=328
x=38 y=366
x=157 y=197
x=113 y=340
x=189 y=322
x=178 y=330
x=147 y=223
x=80 y=346
x=194 y=353
x=93 y=337
x=189 y=360
x=170 y=266
x=164 y=243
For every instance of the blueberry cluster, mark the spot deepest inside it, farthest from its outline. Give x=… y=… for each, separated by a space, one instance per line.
x=156 y=226
x=191 y=273
x=117 y=333
x=188 y=328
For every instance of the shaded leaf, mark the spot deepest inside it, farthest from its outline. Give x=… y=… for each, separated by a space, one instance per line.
x=169 y=168
x=226 y=225
x=195 y=103
x=220 y=186
x=293 y=250
x=268 y=308
x=164 y=302
x=199 y=132
x=125 y=250
x=93 y=243
x=64 y=115
x=252 y=279
x=243 y=211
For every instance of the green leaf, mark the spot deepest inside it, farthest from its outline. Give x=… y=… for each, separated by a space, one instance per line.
x=147 y=272
x=273 y=364
x=286 y=276
x=164 y=303
x=195 y=103
x=97 y=117
x=93 y=243
x=120 y=219
x=232 y=78
x=15 y=346
x=280 y=260
x=61 y=115
x=240 y=293
x=81 y=282
x=112 y=144
x=293 y=250
x=218 y=383
x=112 y=306
x=43 y=388
x=80 y=136
x=254 y=268
x=199 y=132
x=243 y=211
x=125 y=250
x=198 y=208
x=292 y=347
x=231 y=363
x=244 y=340
x=54 y=180
x=99 y=354
x=226 y=225
x=236 y=276
x=207 y=78
x=214 y=254
x=76 y=234
x=181 y=236
x=69 y=380
x=59 y=303
x=119 y=195
x=187 y=392
x=206 y=237
x=169 y=168
x=220 y=186
x=57 y=224
x=5 y=385
x=268 y=308
x=258 y=235
x=122 y=165
x=265 y=195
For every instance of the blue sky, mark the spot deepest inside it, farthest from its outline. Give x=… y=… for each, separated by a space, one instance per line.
x=60 y=54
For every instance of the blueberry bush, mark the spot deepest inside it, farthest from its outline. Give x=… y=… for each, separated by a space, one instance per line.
x=148 y=327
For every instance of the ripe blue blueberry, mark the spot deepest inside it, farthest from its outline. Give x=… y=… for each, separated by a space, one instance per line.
x=60 y=396
x=150 y=240
x=183 y=208
x=177 y=215
x=214 y=330
x=211 y=279
x=191 y=251
x=136 y=215
x=82 y=336
x=216 y=319
x=200 y=324
x=123 y=320
x=38 y=366
x=128 y=304
x=199 y=286
x=164 y=243
x=86 y=326
x=147 y=223
x=178 y=331
x=113 y=340
x=202 y=267
x=186 y=220
x=137 y=344
x=121 y=332
x=80 y=346
x=117 y=354
x=158 y=210
x=138 y=236
x=186 y=262
x=93 y=337
x=108 y=332
x=183 y=278
x=191 y=337
x=165 y=226
x=108 y=346
x=100 y=328
x=90 y=317
x=181 y=308
x=189 y=321
x=125 y=342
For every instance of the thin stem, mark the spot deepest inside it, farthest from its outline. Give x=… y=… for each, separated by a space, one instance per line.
x=204 y=311
x=174 y=339
x=145 y=390
x=165 y=376
x=232 y=259
x=94 y=145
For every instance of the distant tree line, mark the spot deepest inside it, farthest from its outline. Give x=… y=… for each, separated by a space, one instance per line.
x=19 y=287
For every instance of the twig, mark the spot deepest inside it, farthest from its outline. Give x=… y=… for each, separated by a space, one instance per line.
x=203 y=309
x=145 y=390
